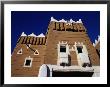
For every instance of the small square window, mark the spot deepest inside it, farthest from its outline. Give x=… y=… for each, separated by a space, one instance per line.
x=28 y=62
x=79 y=49
x=62 y=48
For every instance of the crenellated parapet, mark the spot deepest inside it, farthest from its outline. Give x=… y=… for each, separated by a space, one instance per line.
x=63 y=25
x=32 y=39
x=97 y=41
x=97 y=45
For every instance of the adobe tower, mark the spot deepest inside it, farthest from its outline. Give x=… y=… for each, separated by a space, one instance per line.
x=65 y=51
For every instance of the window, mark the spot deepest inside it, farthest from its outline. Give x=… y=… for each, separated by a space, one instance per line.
x=36 y=52
x=62 y=48
x=19 y=51
x=28 y=62
x=79 y=49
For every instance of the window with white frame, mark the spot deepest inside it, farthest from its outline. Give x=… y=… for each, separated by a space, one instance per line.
x=36 y=52
x=79 y=49
x=83 y=55
x=63 y=48
x=63 y=55
x=28 y=62
x=20 y=51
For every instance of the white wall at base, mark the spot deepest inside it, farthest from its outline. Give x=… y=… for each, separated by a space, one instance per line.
x=43 y=71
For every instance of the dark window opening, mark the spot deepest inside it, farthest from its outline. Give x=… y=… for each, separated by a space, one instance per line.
x=20 y=51
x=62 y=48
x=36 y=52
x=79 y=49
x=28 y=62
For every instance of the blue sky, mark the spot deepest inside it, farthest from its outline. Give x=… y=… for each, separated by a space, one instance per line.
x=37 y=22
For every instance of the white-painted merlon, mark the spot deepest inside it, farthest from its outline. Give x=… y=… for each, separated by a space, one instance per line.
x=94 y=44
x=33 y=35
x=62 y=20
x=23 y=34
x=52 y=19
x=41 y=35
x=96 y=41
x=71 y=21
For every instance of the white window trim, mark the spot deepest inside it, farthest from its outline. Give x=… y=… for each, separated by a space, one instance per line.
x=37 y=52
x=64 y=46
x=19 y=51
x=28 y=58
x=58 y=46
x=84 y=50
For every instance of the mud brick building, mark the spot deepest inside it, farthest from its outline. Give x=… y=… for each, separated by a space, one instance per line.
x=64 y=51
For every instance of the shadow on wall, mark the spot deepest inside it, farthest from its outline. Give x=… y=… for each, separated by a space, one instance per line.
x=71 y=74
x=69 y=59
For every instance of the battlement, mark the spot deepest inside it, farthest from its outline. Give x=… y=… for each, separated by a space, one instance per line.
x=96 y=41
x=32 y=39
x=63 y=25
